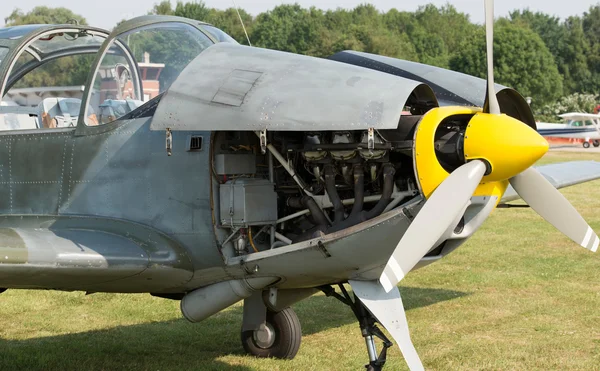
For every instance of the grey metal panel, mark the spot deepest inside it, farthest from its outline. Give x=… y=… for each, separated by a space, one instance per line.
x=118 y=171
x=236 y=86
x=360 y=252
x=562 y=175
x=235 y=163
x=31 y=172
x=450 y=87
x=94 y=254
x=455 y=87
x=129 y=166
x=247 y=202
x=69 y=259
x=294 y=92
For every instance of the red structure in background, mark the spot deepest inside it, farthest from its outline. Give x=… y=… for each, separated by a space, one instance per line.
x=117 y=84
x=597 y=109
x=150 y=74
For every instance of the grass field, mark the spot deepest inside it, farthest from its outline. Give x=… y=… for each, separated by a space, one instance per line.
x=517 y=296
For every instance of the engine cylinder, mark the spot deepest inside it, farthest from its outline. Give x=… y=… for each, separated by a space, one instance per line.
x=206 y=301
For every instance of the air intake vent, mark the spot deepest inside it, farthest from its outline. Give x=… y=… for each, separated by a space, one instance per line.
x=194 y=143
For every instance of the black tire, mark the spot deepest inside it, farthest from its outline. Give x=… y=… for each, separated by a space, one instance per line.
x=288 y=335
x=586 y=144
x=596 y=143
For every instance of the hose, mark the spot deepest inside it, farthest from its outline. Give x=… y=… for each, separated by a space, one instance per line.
x=338 y=206
x=388 y=188
x=316 y=212
x=359 y=190
x=251 y=240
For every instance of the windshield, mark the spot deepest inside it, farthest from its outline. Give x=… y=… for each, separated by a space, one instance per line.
x=150 y=58
x=16 y=32
x=3 y=52
x=219 y=35
x=61 y=41
x=165 y=49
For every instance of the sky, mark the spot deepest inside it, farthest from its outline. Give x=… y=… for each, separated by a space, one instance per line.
x=106 y=13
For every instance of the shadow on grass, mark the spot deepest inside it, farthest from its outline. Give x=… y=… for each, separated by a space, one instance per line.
x=177 y=344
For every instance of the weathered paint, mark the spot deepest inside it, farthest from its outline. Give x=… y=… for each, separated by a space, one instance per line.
x=234 y=87
x=12 y=247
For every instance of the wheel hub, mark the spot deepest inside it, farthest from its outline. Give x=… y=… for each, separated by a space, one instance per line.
x=265 y=336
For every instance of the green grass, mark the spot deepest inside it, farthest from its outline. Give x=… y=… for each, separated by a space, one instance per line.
x=516 y=296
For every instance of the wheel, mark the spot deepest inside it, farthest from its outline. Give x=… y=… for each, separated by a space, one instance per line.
x=596 y=143
x=279 y=339
x=586 y=144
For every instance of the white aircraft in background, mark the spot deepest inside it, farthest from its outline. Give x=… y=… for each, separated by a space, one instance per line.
x=584 y=126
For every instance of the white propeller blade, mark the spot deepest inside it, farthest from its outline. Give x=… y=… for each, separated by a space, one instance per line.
x=439 y=212
x=547 y=201
x=492 y=100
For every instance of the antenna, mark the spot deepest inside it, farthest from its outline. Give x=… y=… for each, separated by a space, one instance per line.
x=241 y=21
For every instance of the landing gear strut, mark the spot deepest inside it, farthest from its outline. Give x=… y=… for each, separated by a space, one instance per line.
x=367 y=324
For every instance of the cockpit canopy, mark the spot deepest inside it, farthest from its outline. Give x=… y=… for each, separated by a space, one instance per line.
x=45 y=68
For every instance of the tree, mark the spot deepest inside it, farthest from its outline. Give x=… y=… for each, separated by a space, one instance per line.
x=549 y=28
x=289 y=28
x=567 y=43
x=574 y=55
x=194 y=10
x=162 y=8
x=591 y=28
x=446 y=22
x=434 y=32
x=43 y=15
x=572 y=103
x=522 y=61
x=229 y=22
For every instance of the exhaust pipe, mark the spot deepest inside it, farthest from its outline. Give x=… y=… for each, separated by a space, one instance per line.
x=206 y=301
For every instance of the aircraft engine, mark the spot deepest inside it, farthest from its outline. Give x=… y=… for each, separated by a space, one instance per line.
x=308 y=183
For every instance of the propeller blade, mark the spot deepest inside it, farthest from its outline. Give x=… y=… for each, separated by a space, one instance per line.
x=387 y=307
x=491 y=101
x=547 y=201
x=444 y=206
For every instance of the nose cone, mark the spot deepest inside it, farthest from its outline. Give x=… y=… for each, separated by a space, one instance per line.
x=507 y=144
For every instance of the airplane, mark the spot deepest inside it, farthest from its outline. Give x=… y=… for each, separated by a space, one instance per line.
x=579 y=125
x=228 y=173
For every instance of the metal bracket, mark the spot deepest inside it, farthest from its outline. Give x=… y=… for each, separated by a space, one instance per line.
x=255 y=312
x=169 y=142
x=249 y=270
x=323 y=249
x=273 y=296
x=263 y=141
x=371 y=139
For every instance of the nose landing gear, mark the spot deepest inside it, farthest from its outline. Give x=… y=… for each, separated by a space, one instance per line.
x=368 y=327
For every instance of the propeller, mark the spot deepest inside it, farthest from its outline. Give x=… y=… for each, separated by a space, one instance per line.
x=491 y=101
x=500 y=148
x=497 y=148
x=530 y=185
x=551 y=205
x=445 y=205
